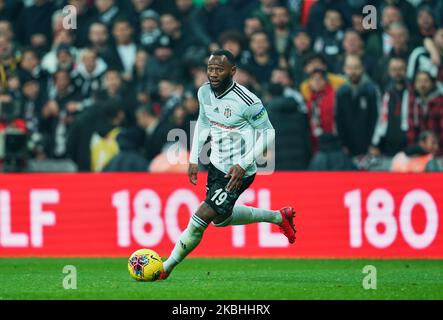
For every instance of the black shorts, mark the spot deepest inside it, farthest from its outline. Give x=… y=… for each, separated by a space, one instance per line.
x=217 y=197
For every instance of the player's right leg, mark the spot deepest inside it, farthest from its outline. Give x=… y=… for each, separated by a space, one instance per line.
x=190 y=238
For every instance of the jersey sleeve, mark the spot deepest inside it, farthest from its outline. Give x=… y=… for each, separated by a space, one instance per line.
x=201 y=132
x=256 y=114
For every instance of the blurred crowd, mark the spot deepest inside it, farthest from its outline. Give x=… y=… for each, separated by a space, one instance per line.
x=344 y=90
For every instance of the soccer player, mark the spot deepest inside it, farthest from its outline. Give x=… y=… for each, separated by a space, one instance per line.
x=232 y=115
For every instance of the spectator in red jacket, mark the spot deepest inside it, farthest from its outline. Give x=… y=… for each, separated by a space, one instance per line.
x=320 y=106
x=425 y=109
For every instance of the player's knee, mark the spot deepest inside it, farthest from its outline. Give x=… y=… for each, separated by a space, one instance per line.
x=197 y=226
x=222 y=223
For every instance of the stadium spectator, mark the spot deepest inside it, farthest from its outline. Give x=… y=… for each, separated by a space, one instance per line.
x=426 y=26
x=56 y=118
x=121 y=55
x=149 y=29
x=297 y=52
x=155 y=130
x=379 y=43
x=163 y=65
x=117 y=91
x=390 y=133
x=426 y=109
x=407 y=10
x=212 y=16
x=98 y=38
x=428 y=57
x=30 y=68
x=318 y=62
x=88 y=74
x=84 y=16
x=107 y=12
x=357 y=105
x=400 y=49
x=129 y=157
x=34 y=25
x=233 y=41
x=321 y=106
x=353 y=45
x=418 y=157
x=329 y=42
x=252 y=24
x=8 y=61
x=281 y=29
x=287 y=111
x=262 y=58
x=318 y=11
x=138 y=9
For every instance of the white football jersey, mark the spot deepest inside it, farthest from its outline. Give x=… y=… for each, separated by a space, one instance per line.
x=232 y=120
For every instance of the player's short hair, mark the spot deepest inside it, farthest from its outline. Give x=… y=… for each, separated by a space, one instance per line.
x=225 y=53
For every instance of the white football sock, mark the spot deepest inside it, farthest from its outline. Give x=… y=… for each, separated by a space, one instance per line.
x=246 y=215
x=187 y=242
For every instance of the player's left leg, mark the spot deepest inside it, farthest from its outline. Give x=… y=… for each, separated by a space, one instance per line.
x=241 y=215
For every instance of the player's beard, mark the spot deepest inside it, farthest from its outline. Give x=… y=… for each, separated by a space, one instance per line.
x=224 y=84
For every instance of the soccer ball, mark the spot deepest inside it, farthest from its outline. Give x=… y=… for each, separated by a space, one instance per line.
x=145 y=265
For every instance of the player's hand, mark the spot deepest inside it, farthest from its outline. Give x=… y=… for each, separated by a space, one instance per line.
x=192 y=173
x=236 y=173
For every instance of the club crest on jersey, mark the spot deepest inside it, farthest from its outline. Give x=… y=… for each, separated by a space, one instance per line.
x=228 y=112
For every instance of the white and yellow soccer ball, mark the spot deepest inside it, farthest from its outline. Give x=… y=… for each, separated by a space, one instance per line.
x=145 y=265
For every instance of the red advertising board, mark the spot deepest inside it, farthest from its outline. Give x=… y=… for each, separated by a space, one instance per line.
x=338 y=215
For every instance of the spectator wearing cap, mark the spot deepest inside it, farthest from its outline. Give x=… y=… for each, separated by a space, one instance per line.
x=425 y=108
x=297 y=52
x=356 y=110
x=329 y=42
x=149 y=29
x=121 y=55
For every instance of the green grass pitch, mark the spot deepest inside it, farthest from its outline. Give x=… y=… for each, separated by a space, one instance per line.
x=108 y=278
